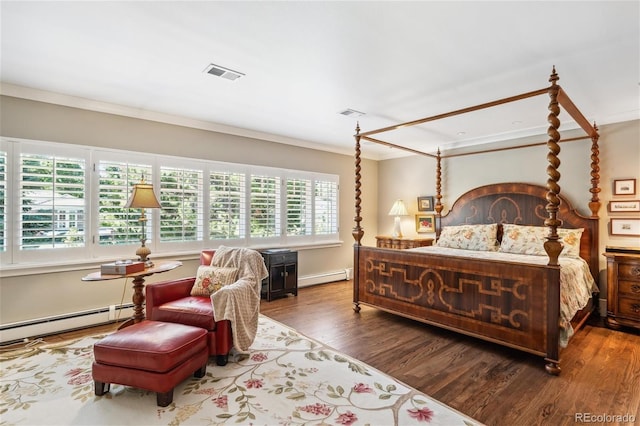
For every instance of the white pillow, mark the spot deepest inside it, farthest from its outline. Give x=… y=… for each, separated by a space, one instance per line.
x=469 y=237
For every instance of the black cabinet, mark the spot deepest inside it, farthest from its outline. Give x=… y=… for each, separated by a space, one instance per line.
x=283 y=273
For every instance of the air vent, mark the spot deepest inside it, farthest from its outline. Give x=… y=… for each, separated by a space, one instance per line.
x=351 y=113
x=223 y=72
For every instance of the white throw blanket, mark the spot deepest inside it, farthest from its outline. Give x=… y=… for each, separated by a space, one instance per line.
x=240 y=302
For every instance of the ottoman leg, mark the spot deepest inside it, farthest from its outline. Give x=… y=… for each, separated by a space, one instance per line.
x=200 y=372
x=164 y=398
x=100 y=388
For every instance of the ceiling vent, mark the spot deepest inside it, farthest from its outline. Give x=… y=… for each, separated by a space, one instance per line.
x=223 y=72
x=351 y=113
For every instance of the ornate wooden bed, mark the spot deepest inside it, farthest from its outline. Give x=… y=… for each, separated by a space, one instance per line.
x=509 y=303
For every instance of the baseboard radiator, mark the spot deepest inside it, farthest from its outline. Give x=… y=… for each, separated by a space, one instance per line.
x=19 y=331
x=329 y=277
x=39 y=327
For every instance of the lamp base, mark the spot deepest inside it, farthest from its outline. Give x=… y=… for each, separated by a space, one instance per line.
x=143 y=253
x=397 y=230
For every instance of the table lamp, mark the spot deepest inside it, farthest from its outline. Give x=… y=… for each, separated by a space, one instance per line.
x=398 y=209
x=143 y=198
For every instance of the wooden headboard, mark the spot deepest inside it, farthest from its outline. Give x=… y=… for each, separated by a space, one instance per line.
x=522 y=204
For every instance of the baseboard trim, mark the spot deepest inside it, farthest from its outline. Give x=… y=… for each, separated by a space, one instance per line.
x=39 y=327
x=328 y=277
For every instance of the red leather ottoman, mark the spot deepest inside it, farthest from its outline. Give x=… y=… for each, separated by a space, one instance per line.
x=150 y=355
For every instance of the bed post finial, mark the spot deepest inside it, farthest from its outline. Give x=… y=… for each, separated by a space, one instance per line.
x=553 y=246
x=595 y=204
x=357 y=230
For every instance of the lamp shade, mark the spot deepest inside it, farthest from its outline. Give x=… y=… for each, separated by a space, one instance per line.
x=143 y=197
x=398 y=209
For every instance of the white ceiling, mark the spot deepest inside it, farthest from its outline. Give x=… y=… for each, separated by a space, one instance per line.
x=307 y=61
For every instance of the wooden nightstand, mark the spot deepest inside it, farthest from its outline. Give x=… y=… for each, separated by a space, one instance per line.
x=385 y=241
x=623 y=288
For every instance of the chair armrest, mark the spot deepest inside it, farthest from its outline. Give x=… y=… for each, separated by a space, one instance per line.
x=167 y=291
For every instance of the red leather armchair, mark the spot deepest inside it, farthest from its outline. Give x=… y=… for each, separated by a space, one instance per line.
x=171 y=301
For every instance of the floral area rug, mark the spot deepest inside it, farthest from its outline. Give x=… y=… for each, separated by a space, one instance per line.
x=287 y=379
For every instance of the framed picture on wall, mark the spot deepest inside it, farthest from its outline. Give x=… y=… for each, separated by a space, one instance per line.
x=425 y=204
x=625 y=227
x=425 y=223
x=624 y=187
x=624 y=206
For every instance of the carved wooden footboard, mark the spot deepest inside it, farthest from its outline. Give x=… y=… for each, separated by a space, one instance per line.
x=512 y=304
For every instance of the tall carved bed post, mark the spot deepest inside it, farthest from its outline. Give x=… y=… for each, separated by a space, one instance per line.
x=438 y=206
x=357 y=232
x=594 y=205
x=552 y=245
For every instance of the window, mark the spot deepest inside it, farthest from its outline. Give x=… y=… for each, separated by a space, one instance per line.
x=265 y=200
x=181 y=200
x=71 y=203
x=326 y=207
x=226 y=205
x=51 y=188
x=117 y=225
x=299 y=202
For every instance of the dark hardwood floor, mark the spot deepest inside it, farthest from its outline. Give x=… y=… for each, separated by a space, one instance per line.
x=495 y=385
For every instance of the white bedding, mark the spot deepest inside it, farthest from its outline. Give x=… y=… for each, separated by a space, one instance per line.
x=576 y=282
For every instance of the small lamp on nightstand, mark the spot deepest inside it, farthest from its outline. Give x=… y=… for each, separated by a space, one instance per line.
x=143 y=198
x=398 y=209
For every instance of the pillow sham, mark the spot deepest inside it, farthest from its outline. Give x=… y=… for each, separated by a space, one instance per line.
x=469 y=237
x=210 y=279
x=522 y=239
x=571 y=240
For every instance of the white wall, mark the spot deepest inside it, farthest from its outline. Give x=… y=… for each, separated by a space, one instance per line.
x=41 y=294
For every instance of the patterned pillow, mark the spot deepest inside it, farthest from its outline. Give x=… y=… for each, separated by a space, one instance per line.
x=520 y=239
x=571 y=240
x=210 y=279
x=469 y=237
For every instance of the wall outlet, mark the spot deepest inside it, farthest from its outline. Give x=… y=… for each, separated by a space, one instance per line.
x=112 y=312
